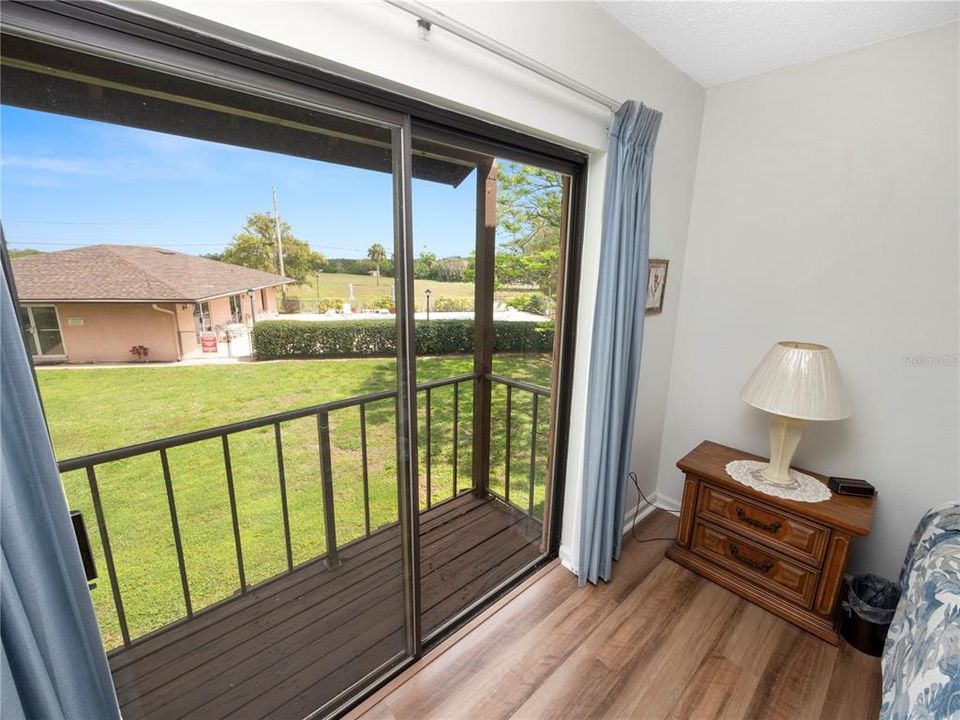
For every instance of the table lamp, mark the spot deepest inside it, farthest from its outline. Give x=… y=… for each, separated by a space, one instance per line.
x=795 y=382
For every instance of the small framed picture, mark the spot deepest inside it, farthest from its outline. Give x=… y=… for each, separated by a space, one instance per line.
x=656 y=282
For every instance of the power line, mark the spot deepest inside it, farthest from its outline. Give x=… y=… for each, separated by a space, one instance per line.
x=83 y=242
x=77 y=222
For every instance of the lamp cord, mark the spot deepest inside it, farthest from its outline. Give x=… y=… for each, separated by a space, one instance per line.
x=633 y=526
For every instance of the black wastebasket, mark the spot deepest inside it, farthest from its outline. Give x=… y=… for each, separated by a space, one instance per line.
x=868 y=611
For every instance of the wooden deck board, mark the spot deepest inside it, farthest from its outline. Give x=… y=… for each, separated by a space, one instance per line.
x=292 y=643
x=244 y=608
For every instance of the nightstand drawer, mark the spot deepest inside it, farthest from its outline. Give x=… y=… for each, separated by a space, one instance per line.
x=801 y=539
x=760 y=565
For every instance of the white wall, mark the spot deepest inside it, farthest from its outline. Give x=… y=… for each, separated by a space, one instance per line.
x=826 y=210
x=578 y=39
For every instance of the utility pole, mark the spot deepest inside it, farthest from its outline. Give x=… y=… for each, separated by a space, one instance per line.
x=276 y=221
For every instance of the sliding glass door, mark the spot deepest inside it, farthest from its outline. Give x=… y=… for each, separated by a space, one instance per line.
x=489 y=273
x=241 y=456
x=309 y=376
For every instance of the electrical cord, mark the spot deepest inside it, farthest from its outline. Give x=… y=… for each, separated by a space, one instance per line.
x=633 y=528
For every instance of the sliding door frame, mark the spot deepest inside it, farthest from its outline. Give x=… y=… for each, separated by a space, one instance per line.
x=407 y=444
x=157 y=38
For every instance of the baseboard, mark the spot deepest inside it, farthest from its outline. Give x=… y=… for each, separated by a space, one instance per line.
x=634 y=516
x=671 y=504
x=656 y=502
x=630 y=519
x=566 y=560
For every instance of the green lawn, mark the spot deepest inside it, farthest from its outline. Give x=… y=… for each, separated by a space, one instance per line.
x=336 y=285
x=97 y=409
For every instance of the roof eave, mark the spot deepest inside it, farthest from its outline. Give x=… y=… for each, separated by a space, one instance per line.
x=144 y=301
x=89 y=301
x=286 y=281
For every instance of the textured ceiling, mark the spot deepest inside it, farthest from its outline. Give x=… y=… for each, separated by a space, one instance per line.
x=717 y=42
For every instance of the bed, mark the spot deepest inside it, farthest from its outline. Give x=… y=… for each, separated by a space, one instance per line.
x=921 y=657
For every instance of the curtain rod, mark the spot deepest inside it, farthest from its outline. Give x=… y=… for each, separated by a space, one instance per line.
x=435 y=17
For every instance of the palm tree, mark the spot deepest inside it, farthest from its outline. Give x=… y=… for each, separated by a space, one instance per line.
x=378 y=255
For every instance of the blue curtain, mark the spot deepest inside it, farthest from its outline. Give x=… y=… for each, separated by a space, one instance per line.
x=617 y=337
x=52 y=663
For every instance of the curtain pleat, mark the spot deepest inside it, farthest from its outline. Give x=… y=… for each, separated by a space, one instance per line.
x=53 y=663
x=617 y=337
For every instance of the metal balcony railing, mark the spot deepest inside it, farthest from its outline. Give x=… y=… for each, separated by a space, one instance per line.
x=90 y=463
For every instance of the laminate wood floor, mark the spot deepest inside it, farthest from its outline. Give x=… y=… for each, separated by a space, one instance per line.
x=656 y=642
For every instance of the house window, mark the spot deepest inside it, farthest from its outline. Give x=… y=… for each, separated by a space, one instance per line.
x=236 y=311
x=41 y=330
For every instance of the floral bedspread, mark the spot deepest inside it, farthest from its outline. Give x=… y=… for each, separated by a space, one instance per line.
x=921 y=658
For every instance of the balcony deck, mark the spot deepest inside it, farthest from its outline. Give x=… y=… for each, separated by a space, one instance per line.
x=288 y=646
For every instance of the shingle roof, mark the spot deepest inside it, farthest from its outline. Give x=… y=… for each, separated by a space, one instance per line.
x=131 y=273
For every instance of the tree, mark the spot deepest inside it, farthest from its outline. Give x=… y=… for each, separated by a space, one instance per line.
x=256 y=247
x=23 y=252
x=350 y=266
x=529 y=207
x=530 y=215
x=450 y=269
x=424 y=265
x=377 y=254
x=470 y=271
x=537 y=269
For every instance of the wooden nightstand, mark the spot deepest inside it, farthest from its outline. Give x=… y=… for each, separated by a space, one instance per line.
x=785 y=556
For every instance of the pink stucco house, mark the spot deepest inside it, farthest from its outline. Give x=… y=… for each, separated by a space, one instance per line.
x=93 y=304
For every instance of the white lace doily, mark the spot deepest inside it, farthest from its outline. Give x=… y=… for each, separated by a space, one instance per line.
x=804 y=488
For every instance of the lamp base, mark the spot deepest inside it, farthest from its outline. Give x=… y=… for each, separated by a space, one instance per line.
x=785 y=434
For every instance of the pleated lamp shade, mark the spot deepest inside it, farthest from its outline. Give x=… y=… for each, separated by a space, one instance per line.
x=798 y=380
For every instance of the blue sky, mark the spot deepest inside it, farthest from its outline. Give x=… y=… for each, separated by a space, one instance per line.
x=67 y=182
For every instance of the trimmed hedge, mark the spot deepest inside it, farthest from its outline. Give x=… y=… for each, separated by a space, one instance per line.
x=453 y=304
x=536 y=303
x=328 y=303
x=275 y=339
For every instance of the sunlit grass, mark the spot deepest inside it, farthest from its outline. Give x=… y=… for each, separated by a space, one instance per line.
x=365 y=287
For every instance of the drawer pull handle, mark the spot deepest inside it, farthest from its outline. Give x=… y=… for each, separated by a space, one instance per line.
x=763 y=567
x=769 y=527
